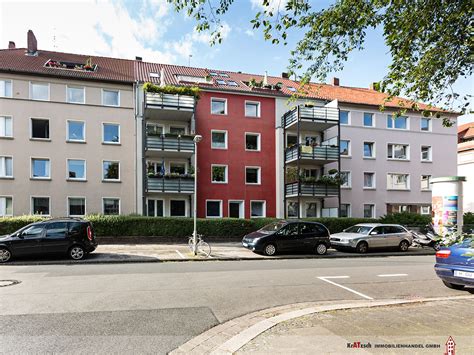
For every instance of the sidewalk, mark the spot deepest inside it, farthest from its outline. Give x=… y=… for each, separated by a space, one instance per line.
x=368 y=327
x=136 y=253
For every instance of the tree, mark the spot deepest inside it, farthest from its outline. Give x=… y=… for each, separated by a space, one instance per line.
x=430 y=41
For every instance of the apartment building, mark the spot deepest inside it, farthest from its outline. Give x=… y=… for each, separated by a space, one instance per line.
x=466 y=163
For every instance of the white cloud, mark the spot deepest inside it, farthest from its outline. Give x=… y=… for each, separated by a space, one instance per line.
x=250 y=33
x=273 y=5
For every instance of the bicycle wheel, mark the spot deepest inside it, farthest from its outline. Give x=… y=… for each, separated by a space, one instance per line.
x=204 y=248
x=191 y=243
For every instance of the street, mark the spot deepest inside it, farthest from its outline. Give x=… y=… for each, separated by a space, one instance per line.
x=156 y=307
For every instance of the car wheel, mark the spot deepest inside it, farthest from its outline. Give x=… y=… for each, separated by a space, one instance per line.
x=321 y=249
x=362 y=247
x=5 y=255
x=77 y=252
x=453 y=286
x=270 y=249
x=404 y=245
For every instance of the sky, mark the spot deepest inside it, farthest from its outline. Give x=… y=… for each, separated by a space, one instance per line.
x=153 y=30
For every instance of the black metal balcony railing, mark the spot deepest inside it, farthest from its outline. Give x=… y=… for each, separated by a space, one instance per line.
x=170 y=101
x=314 y=114
x=178 y=144
x=325 y=152
x=311 y=189
x=162 y=184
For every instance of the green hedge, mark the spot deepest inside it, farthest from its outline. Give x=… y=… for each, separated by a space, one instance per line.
x=407 y=219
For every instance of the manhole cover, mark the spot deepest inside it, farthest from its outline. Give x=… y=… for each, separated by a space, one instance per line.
x=5 y=283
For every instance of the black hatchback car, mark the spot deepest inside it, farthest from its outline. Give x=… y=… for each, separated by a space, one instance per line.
x=289 y=236
x=72 y=236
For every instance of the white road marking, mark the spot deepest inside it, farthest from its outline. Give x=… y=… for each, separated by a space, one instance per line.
x=181 y=255
x=344 y=287
x=392 y=275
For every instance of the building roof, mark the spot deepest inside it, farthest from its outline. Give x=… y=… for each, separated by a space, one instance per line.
x=466 y=131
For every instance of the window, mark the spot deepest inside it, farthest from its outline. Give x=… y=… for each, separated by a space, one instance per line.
x=76 y=169
x=40 y=205
x=345 y=210
x=6 y=167
x=369 y=180
x=224 y=75
x=154 y=130
x=110 y=97
x=76 y=131
x=369 y=211
x=425 y=153
x=213 y=73
x=76 y=206
x=291 y=88
x=221 y=82
x=425 y=210
x=155 y=208
x=6 y=206
x=6 y=126
x=5 y=88
x=398 y=151
x=111 y=133
x=345 y=148
x=257 y=209
x=39 y=91
x=292 y=210
x=219 y=106
x=291 y=140
x=39 y=128
x=310 y=173
x=345 y=179
x=213 y=209
x=397 y=122
x=219 y=139
x=178 y=168
x=155 y=168
x=398 y=181
x=252 y=109
x=425 y=124
x=369 y=150
x=178 y=130
x=425 y=182
x=219 y=174
x=232 y=83
x=40 y=168
x=111 y=206
x=252 y=175
x=368 y=119
x=177 y=208
x=56 y=229
x=111 y=170
x=311 y=209
x=236 y=209
x=75 y=95
x=344 y=117
x=252 y=141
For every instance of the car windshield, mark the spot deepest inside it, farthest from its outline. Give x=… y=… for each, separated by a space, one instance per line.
x=272 y=227
x=358 y=229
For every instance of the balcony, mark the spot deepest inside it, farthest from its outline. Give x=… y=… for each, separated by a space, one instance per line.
x=169 y=146
x=311 y=118
x=323 y=154
x=314 y=189
x=176 y=107
x=170 y=185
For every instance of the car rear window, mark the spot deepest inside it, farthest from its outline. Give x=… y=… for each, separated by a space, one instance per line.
x=56 y=228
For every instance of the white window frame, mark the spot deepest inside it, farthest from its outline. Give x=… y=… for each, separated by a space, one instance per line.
x=3 y=159
x=120 y=206
x=68 y=206
x=430 y=154
x=119 y=168
x=67 y=170
x=11 y=86
x=226 y=174
x=32 y=212
x=305 y=208
x=349 y=152
x=186 y=210
x=225 y=139
x=430 y=124
x=259 y=141
x=31 y=128
x=394 y=189
x=114 y=90
x=374 y=155
x=373 y=187
x=259 y=175
x=349 y=210
x=349 y=118
x=39 y=83
x=259 y=105
x=393 y=123
x=4 y=119
x=83 y=129
x=225 y=106
x=349 y=180
x=373 y=119
x=374 y=210
x=173 y=125
x=31 y=168
x=264 y=202
x=119 y=132
x=429 y=182
x=5 y=197
x=241 y=210
x=153 y=199
x=220 y=208
x=422 y=212
x=75 y=87
x=398 y=159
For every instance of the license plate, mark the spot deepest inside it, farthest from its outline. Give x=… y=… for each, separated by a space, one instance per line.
x=245 y=244
x=465 y=274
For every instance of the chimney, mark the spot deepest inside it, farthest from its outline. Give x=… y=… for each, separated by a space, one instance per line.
x=32 y=44
x=374 y=86
x=335 y=81
x=11 y=45
x=285 y=75
x=139 y=59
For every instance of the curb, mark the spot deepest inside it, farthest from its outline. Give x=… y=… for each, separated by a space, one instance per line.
x=229 y=344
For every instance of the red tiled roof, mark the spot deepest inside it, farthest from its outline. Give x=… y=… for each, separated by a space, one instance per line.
x=466 y=130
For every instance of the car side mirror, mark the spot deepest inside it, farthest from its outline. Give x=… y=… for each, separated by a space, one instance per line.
x=19 y=235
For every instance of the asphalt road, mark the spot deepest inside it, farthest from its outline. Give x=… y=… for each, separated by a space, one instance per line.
x=155 y=307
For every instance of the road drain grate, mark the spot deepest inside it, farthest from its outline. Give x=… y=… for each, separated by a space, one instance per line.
x=5 y=283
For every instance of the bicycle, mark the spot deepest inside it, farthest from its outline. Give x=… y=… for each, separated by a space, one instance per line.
x=202 y=247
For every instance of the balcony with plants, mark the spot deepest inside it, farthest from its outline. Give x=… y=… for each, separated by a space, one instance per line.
x=175 y=144
x=179 y=98
x=171 y=182
x=311 y=117
x=324 y=186
x=326 y=152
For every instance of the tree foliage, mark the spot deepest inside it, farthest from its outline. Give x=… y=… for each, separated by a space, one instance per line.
x=430 y=41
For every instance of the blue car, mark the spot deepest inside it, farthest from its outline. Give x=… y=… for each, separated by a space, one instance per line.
x=455 y=265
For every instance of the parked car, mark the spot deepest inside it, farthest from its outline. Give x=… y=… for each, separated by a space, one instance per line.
x=363 y=237
x=289 y=236
x=455 y=265
x=72 y=236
